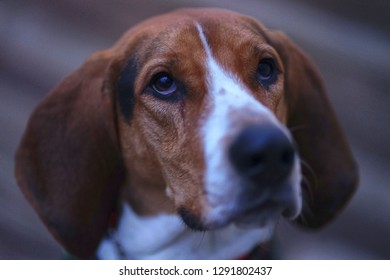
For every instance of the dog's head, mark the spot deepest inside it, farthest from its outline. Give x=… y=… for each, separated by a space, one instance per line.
x=203 y=112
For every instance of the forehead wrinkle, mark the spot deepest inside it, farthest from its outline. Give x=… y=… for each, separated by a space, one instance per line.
x=170 y=46
x=158 y=47
x=171 y=38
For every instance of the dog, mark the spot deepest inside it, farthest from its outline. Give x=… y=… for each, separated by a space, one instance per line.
x=188 y=139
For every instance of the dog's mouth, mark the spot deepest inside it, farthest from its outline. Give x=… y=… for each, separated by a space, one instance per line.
x=264 y=215
x=258 y=217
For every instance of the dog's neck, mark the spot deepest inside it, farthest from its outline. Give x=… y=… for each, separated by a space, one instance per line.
x=165 y=236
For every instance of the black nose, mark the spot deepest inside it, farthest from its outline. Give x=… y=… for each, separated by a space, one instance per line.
x=262 y=154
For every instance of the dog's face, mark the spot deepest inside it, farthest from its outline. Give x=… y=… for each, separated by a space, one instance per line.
x=187 y=113
x=208 y=113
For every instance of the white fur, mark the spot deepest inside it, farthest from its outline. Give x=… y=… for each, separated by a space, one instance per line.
x=166 y=237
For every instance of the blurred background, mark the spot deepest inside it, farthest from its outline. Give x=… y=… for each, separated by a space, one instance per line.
x=41 y=41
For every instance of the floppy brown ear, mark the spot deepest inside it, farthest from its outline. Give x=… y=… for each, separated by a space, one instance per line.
x=68 y=164
x=329 y=170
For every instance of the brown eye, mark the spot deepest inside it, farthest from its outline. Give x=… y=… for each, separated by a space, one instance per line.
x=266 y=72
x=164 y=84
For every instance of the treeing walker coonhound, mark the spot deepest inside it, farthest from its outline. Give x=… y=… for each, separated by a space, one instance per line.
x=199 y=129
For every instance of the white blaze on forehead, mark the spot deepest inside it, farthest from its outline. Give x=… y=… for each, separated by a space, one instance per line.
x=231 y=105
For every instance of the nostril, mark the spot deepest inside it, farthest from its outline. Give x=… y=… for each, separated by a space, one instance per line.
x=288 y=156
x=255 y=164
x=256 y=161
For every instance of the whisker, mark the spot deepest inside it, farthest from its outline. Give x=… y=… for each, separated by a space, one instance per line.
x=297 y=128
x=203 y=233
x=303 y=220
x=305 y=181
x=311 y=172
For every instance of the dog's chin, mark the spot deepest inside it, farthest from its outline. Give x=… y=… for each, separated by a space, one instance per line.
x=250 y=219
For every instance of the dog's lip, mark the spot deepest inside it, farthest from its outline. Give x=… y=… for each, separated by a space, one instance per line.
x=258 y=216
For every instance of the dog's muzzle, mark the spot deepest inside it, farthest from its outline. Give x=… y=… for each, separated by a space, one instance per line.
x=264 y=157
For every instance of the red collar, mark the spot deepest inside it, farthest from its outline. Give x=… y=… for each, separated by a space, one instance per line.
x=260 y=252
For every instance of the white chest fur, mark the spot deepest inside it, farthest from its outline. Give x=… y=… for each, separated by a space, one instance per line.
x=166 y=237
